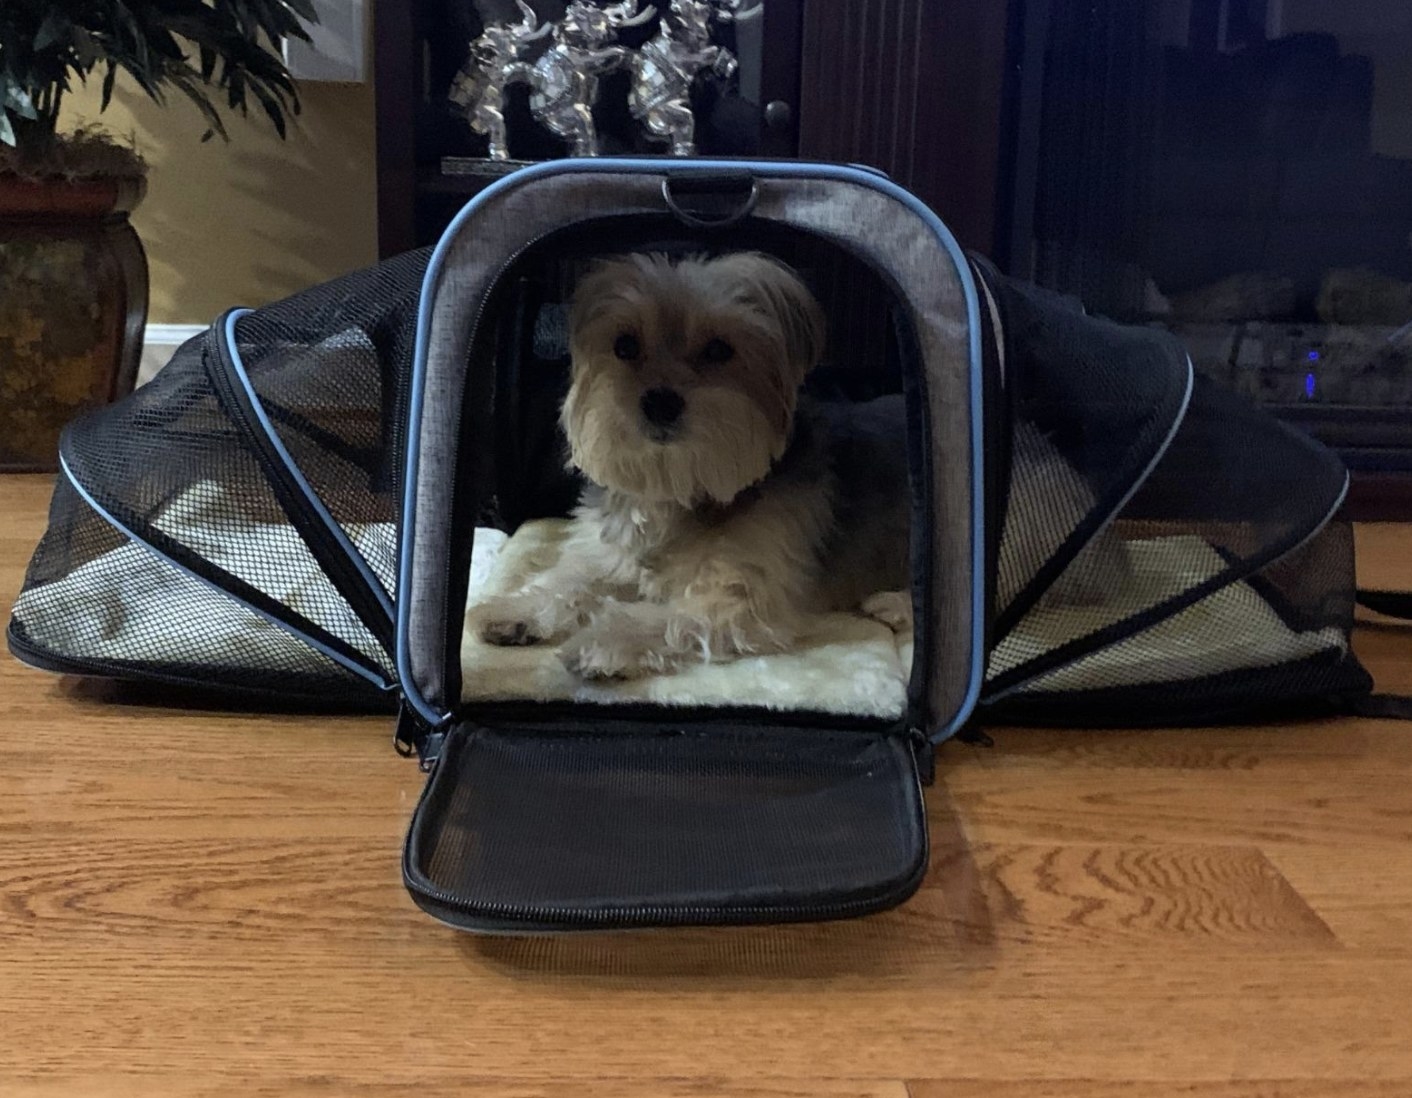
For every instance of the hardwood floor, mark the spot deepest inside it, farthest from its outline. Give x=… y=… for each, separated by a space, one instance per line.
x=207 y=903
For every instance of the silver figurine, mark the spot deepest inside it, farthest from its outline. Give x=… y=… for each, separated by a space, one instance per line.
x=667 y=65
x=497 y=60
x=564 y=81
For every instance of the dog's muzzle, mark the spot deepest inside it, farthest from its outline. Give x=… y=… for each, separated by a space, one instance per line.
x=662 y=408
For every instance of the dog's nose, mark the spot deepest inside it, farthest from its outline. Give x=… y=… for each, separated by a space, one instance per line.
x=662 y=407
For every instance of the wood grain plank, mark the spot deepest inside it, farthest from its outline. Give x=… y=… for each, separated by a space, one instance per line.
x=445 y=1026
x=201 y=1085
x=1362 y=891
x=1150 y=1088
x=1107 y=894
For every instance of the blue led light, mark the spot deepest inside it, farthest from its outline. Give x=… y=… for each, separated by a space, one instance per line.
x=1313 y=356
x=1309 y=386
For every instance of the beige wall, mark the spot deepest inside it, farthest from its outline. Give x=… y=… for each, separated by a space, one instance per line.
x=252 y=220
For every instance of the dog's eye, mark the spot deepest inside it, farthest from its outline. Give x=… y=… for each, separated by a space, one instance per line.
x=626 y=347
x=717 y=351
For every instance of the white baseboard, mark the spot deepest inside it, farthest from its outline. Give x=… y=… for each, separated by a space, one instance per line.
x=158 y=343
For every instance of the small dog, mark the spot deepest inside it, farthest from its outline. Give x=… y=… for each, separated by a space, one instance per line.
x=723 y=510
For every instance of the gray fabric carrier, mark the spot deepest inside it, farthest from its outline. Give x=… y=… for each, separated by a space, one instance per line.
x=288 y=514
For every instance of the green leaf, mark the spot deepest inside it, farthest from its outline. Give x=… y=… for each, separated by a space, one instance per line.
x=18 y=101
x=304 y=9
x=85 y=47
x=274 y=109
x=220 y=54
x=51 y=32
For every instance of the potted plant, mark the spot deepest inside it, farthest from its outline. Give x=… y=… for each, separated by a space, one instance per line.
x=73 y=277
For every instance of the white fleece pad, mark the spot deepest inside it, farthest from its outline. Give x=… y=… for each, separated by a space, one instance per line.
x=846 y=663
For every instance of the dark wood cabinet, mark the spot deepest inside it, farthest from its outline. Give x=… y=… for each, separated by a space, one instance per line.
x=909 y=86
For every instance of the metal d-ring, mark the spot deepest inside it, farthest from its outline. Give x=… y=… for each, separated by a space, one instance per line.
x=687 y=218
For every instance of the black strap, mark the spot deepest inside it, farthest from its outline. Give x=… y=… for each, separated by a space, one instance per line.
x=1397 y=707
x=1392 y=604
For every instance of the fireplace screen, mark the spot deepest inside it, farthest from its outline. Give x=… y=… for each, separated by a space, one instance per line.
x=1239 y=172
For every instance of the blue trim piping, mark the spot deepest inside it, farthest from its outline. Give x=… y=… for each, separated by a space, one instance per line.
x=865 y=177
x=361 y=672
x=359 y=561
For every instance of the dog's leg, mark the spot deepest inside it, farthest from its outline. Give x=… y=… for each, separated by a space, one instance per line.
x=892 y=608
x=623 y=641
x=543 y=611
x=551 y=607
x=718 y=619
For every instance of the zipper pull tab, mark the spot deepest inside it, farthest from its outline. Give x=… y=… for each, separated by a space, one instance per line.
x=413 y=736
x=975 y=735
x=924 y=751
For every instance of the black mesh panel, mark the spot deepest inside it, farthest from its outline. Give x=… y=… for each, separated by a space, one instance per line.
x=1235 y=491
x=538 y=830
x=184 y=466
x=173 y=466
x=329 y=366
x=1092 y=404
x=94 y=601
x=1199 y=578
x=1295 y=620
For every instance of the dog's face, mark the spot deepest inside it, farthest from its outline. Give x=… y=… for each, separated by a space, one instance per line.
x=686 y=374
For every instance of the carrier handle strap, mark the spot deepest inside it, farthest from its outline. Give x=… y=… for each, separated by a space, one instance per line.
x=743 y=191
x=1390 y=604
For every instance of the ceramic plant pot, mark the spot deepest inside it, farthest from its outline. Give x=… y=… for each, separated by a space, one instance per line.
x=73 y=304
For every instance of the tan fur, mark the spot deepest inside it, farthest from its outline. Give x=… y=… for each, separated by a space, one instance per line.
x=672 y=560
x=718 y=536
x=738 y=412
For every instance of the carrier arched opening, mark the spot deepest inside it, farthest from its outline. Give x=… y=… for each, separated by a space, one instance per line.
x=515 y=473
x=858 y=213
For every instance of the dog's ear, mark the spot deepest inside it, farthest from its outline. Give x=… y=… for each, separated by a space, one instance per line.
x=608 y=282
x=774 y=287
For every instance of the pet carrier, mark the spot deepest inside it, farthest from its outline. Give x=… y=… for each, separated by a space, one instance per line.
x=299 y=504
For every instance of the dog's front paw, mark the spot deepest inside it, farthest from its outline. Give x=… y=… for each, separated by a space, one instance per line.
x=605 y=655
x=892 y=608
x=509 y=620
x=509 y=634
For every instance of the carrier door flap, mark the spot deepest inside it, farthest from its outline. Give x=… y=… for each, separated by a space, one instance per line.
x=532 y=830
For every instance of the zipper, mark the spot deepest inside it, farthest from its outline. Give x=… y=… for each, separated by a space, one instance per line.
x=923 y=754
x=341 y=571
x=413 y=736
x=566 y=919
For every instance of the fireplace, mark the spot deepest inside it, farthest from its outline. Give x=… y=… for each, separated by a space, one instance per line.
x=1239 y=172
